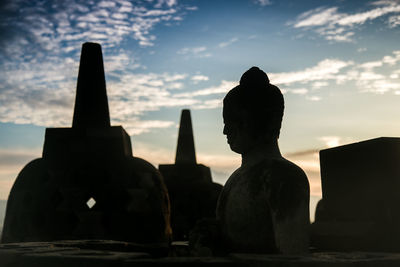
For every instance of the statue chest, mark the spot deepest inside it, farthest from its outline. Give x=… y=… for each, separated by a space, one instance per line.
x=244 y=212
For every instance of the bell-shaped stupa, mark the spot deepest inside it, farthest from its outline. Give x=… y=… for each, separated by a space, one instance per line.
x=192 y=192
x=87 y=185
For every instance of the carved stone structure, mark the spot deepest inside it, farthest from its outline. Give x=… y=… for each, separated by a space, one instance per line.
x=263 y=207
x=360 y=205
x=88 y=185
x=192 y=193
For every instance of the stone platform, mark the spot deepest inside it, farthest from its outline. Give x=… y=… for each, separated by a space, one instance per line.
x=100 y=253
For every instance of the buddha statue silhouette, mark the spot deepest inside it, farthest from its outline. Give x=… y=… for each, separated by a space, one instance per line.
x=264 y=205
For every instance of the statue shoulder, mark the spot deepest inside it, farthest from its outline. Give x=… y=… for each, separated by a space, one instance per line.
x=290 y=187
x=288 y=172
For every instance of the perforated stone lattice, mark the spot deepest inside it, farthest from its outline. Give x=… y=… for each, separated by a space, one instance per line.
x=91 y=202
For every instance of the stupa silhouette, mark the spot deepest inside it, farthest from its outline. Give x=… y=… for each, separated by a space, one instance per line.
x=87 y=185
x=192 y=193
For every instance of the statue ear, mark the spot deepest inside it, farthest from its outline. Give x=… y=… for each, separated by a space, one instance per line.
x=275 y=124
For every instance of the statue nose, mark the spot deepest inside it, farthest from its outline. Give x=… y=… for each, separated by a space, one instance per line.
x=226 y=129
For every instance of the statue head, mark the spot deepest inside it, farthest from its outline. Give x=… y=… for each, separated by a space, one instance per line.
x=252 y=112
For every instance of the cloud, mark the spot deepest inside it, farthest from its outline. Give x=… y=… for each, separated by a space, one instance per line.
x=394 y=21
x=319 y=84
x=313 y=98
x=192 y=8
x=71 y=23
x=44 y=94
x=324 y=70
x=199 y=51
x=199 y=78
x=139 y=127
x=369 y=79
x=299 y=91
x=209 y=104
x=334 y=141
x=330 y=141
x=222 y=88
x=365 y=75
x=168 y=3
x=378 y=76
x=132 y=95
x=40 y=90
x=337 y=26
x=38 y=59
x=193 y=50
x=227 y=43
x=263 y=2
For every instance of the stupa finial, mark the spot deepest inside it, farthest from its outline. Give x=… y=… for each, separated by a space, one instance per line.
x=91 y=105
x=185 y=152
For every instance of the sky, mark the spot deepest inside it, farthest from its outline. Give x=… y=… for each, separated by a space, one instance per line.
x=337 y=63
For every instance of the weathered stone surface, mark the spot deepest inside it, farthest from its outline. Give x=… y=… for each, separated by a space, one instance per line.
x=360 y=187
x=192 y=193
x=90 y=161
x=99 y=253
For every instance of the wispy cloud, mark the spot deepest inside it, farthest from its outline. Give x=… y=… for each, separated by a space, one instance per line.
x=307 y=82
x=369 y=79
x=229 y=42
x=209 y=104
x=394 y=21
x=199 y=78
x=331 y=141
x=43 y=93
x=313 y=98
x=263 y=2
x=326 y=69
x=39 y=59
x=139 y=127
x=192 y=8
x=199 y=51
x=338 y=26
x=334 y=141
x=50 y=103
x=299 y=91
x=134 y=94
x=367 y=76
x=73 y=22
x=223 y=87
x=168 y=3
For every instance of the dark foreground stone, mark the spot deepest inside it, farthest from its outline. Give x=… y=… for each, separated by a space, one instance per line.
x=360 y=189
x=99 y=253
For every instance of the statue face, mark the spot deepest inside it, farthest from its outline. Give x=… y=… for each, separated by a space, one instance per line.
x=238 y=132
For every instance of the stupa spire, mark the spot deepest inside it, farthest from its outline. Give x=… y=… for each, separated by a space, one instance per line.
x=91 y=105
x=185 y=152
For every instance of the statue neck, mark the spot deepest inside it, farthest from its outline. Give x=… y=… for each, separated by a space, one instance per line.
x=260 y=152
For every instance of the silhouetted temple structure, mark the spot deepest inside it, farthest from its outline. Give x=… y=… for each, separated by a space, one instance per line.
x=360 y=205
x=192 y=193
x=89 y=202
x=87 y=185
